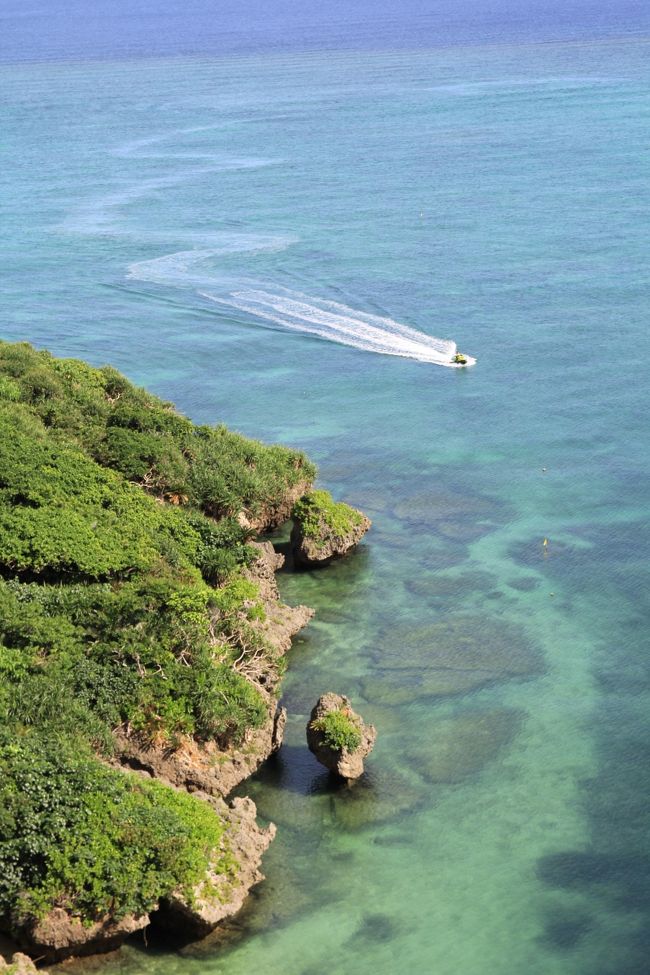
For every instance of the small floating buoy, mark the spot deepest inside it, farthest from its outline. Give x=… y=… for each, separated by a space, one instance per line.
x=545 y=543
x=544 y=469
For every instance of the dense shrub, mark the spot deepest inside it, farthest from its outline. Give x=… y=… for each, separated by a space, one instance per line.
x=133 y=432
x=138 y=656
x=78 y=835
x=110 y=618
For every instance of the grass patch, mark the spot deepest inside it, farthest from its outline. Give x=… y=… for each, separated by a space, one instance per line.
x=339 y=730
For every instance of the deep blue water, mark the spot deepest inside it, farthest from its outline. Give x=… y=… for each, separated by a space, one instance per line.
x=51 y=29
x=233 y=206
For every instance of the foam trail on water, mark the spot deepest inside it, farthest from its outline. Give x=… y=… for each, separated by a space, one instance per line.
x=293 y=310
x=336 y=322
x=185 y=269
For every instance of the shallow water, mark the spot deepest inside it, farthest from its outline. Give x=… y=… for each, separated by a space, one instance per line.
x=492 y=195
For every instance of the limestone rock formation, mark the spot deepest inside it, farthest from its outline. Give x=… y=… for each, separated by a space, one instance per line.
x=324 y=529
x=59 y=935
x=276 y=512
x=202 y=768
x=19 y=965
x=221 y=896
x=338 y=737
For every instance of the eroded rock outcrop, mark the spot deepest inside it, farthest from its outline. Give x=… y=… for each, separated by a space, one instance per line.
x=221 y=895
x=324 y=529
x=19 y=964
x=275 y=514
x=59 y=935
x=206 y=769
x=338 y=737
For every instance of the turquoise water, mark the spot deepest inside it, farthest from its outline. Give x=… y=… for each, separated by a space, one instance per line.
x=493 y=195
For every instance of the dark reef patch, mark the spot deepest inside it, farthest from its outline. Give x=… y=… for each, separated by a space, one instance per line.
x=376 y=929
x=458 y=747
x=452 y=656
x=525 y=583
x=564 y=932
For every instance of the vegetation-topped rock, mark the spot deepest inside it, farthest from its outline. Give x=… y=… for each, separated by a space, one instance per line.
x=86 y=852
x=324 y=529
x=211 y=766
x=338 y=737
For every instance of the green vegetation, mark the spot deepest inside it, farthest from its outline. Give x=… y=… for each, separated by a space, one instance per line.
x=78 y=835
x=321 y=518
x=124 y=610
x=143 y=438
x=339 y=730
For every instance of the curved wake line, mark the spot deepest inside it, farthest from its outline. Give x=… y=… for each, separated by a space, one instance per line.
x=293 y=310
x=337 y=323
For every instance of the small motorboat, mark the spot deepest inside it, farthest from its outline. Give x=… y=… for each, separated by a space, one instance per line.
x=459 y=360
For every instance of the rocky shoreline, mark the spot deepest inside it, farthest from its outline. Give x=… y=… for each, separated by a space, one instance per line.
x=143 y=640
x=210 y=773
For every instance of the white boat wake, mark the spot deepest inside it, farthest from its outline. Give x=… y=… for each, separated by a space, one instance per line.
x=297 y=312
x=337 y=323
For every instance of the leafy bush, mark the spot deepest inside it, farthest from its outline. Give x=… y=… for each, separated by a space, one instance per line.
x=139 y=657
x=339 y=730
x=61 y=513
x=78 y=835
x=110 y=616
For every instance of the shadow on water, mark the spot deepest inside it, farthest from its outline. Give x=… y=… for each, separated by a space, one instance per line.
x=308 y=803
x=564 y=931
x=612 y=875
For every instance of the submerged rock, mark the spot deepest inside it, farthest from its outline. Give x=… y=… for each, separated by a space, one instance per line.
x=338 y=737
x=324 y=529
x=452 y=656
x=456 y=516
x=442 y=587
x=460 y=746
x=384 y=794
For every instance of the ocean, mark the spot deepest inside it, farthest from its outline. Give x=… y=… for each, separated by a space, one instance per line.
x=286 y=220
